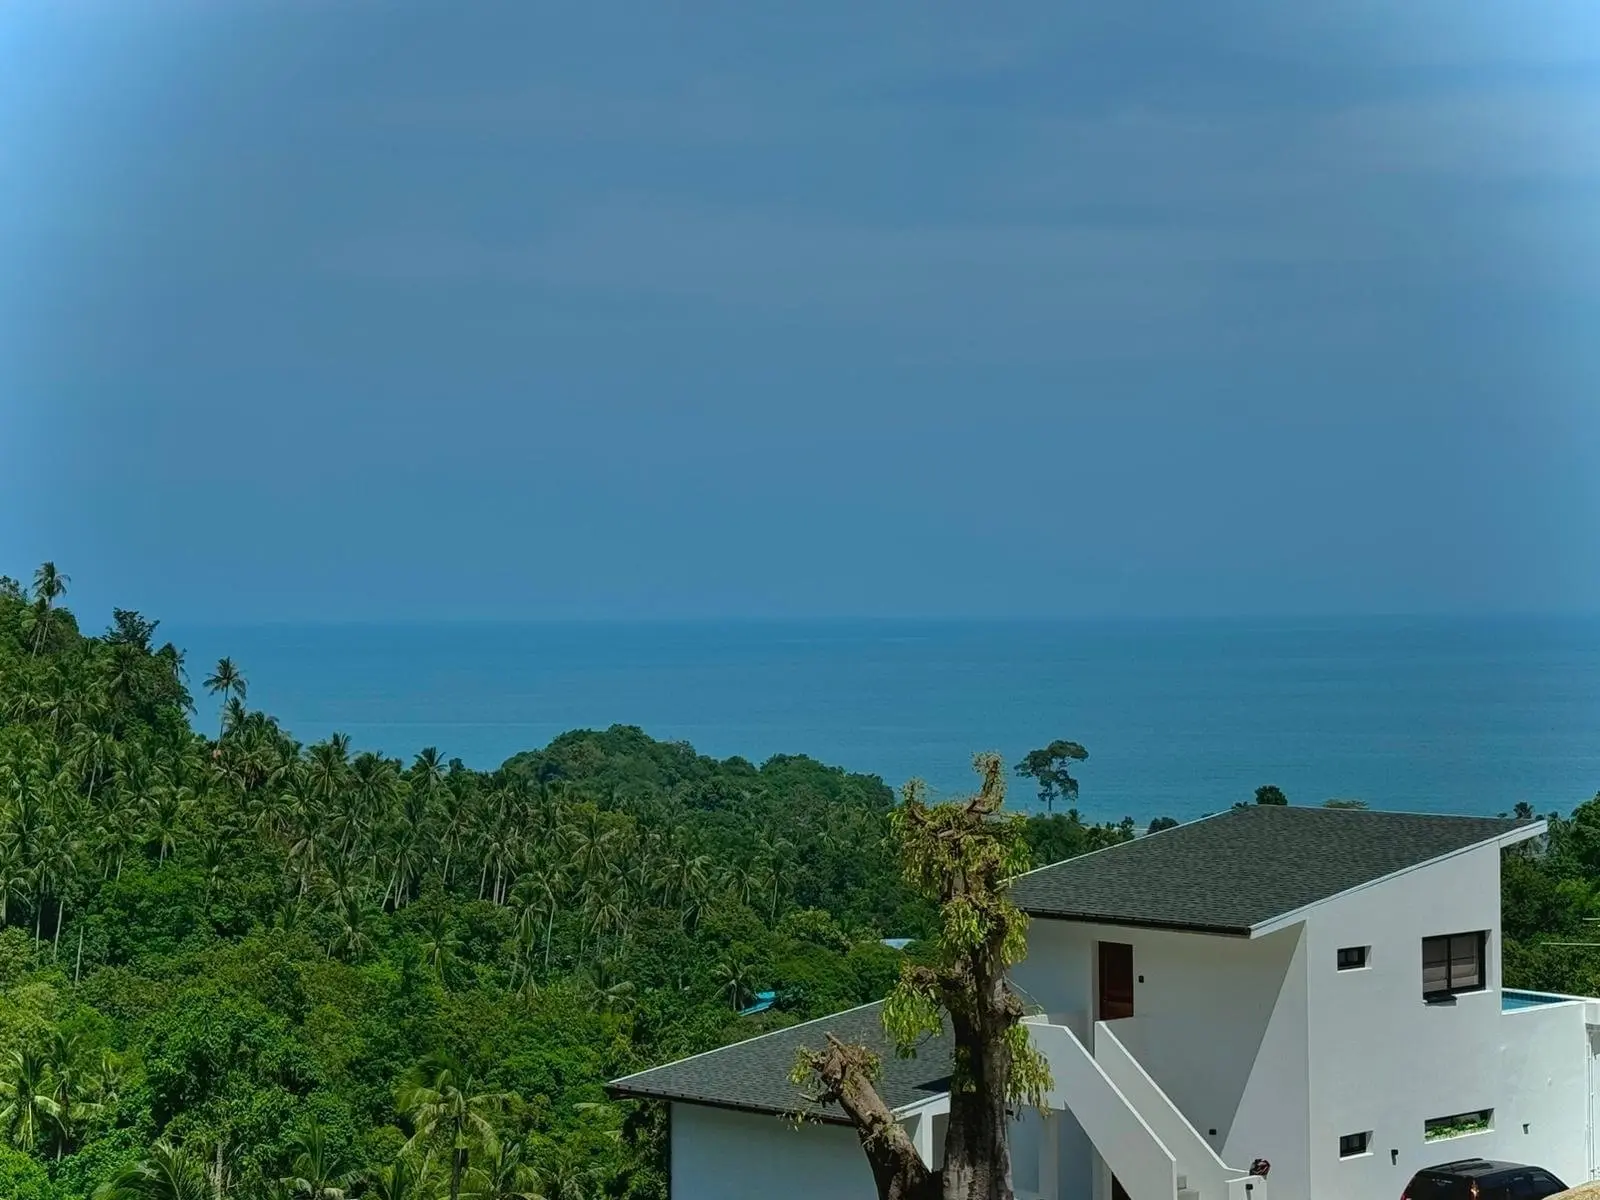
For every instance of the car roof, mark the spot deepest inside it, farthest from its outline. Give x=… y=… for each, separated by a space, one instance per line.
x=1474 y=1167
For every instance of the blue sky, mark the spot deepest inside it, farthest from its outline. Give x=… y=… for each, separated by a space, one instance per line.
x=357 y=310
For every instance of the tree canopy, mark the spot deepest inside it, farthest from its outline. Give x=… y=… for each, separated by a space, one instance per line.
x=1049 y=768
x=236 y=962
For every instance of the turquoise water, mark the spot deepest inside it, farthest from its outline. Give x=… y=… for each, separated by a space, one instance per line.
x=1510 y=1001
x=1179 y=718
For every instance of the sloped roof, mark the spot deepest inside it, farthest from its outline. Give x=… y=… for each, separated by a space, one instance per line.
x=1242 y=868
x=754 y=1075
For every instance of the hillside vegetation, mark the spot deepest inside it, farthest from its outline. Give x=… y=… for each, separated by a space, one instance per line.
x=235 y=965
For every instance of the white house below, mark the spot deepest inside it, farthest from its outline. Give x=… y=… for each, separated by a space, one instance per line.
x=1319 y=989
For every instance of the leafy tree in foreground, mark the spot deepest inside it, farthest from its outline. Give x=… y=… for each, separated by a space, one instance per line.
x=1270 y=793
x=961 y=856
x=1050 y=768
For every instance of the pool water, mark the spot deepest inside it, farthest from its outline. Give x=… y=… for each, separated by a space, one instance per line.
x=1512 y=1000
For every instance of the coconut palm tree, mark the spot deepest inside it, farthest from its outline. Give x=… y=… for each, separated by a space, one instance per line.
x=316 y=1172
x=29 y=1105
x=538 y=894
x=443 y=1103
x=409 y=1177
x=228 y=682
x=501 y=1174
x=65 y=1054
x=49 y=585
x=608 y=991
x=353 y=939
x=733 y=977
x=16 y=879
x=168 y=1172
x=167 y=808
x=568 y=1177
x=440 y=942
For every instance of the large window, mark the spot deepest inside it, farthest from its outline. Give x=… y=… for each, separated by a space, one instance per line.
x=1453 y=964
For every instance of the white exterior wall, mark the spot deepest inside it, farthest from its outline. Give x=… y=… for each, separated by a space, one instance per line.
x=1266 y=1042
x=719 y=1154
x=1219 y=1024
x=1382 y=1060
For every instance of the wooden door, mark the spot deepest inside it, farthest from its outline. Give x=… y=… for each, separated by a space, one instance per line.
x=1116 y=981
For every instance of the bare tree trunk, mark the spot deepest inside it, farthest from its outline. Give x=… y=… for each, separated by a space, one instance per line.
x=845 y=1075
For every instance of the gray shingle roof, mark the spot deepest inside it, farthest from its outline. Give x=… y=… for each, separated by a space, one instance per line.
x=754 y=1074
x=1244 y=867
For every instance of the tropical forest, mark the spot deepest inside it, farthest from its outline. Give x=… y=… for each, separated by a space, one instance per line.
x=236 y=965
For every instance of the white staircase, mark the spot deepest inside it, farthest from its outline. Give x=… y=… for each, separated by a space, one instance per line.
x=1145 y=1141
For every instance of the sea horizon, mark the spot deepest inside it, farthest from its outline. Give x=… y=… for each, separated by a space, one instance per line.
x=1181 y=716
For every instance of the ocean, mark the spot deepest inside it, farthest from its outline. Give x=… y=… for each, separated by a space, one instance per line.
x=1180 y=718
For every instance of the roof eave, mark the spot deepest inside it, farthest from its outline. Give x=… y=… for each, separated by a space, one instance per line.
x=1076 y=918
x=1510 y=837
x=810 y=1114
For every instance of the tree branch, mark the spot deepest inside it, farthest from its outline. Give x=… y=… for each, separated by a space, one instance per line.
x=843 y=1075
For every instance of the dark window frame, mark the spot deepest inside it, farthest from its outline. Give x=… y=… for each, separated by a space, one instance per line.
x=1354 y=1145
x=1451 y=988
x=1439 y=1129
x=1357 y=960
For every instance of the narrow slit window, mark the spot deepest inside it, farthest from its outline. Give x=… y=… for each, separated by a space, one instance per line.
x=1461 y=1124
x=1352 y=1145
x=1352 y=958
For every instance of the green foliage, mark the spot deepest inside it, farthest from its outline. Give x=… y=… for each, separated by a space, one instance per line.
x=1049 y=768
x=22 y=1176
x=961 y=857
x=1550 y=899
x=217 y=948
x=225 y=952
x=1270 y=793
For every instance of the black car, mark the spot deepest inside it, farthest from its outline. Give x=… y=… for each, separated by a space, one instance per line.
x=1481 y=1179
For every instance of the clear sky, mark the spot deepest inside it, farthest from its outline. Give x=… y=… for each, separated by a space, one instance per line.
x=352 y=310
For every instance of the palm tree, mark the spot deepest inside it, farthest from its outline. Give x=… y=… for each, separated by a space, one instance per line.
x=733 y=976
x=407 y=1178
x=49 y=585
x=442 y=943
x=65 y=1054
x=442 y=1102
x=16 y=880
x=502 y=1175
x=109 y=1078
x=608 y=991
x=353 y=940
x=26 y=1088
x=568 y=1178
x=538 y=894
x=168 y=1172
x=316 y=1171
x=226 y=681
x=168 y=807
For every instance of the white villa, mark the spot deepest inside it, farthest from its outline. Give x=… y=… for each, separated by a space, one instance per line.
x=1317 y=988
